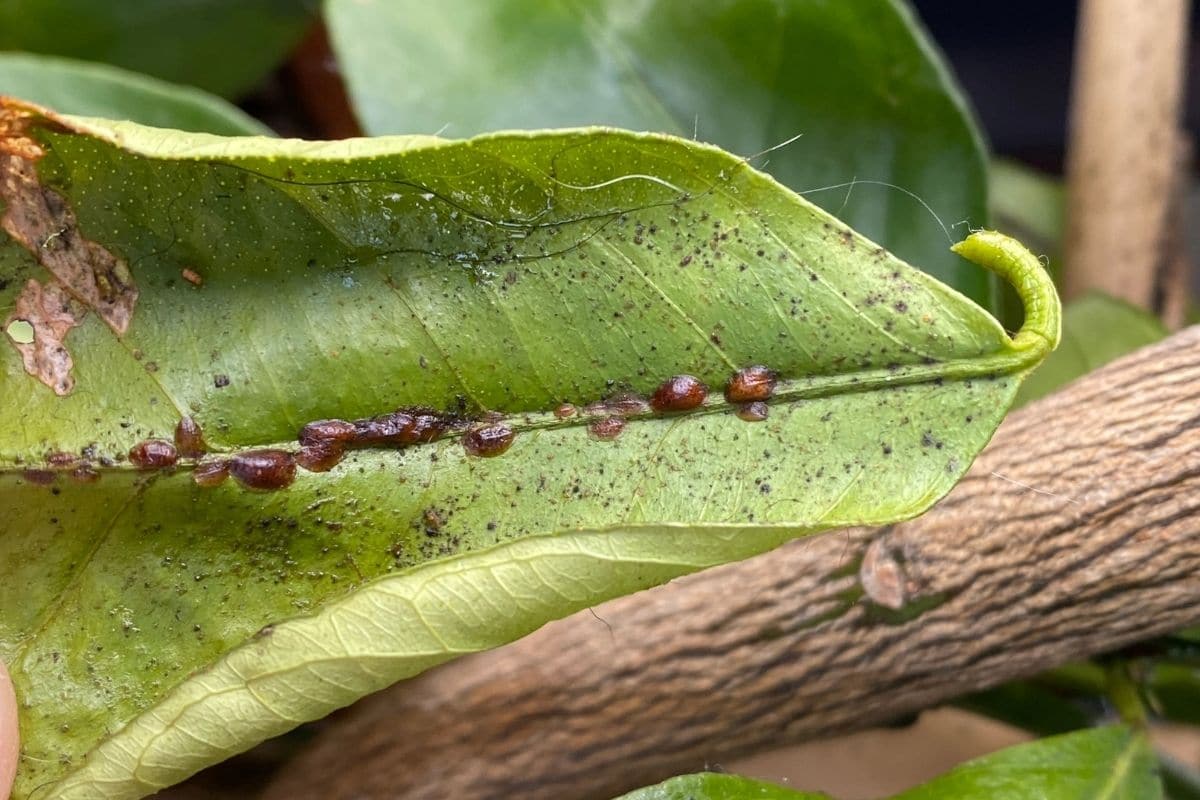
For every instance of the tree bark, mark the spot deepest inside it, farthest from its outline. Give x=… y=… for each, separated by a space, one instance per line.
x=1124 y=153
x=1075 y=532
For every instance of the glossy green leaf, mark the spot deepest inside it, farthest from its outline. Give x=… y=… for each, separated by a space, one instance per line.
x=1112 y=763
x=715 y=786
x=860 y=82
x=224 y=46
x=1102 y=764
x=98 y=90
x=154 y=626
x=1097 y=329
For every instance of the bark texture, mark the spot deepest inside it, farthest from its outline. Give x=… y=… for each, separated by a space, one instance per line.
x=1076 y=531
x=1124 y=154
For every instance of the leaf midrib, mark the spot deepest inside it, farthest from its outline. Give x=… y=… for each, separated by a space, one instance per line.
x=986 y=367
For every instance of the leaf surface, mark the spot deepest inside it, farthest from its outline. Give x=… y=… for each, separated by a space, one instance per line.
x=98 y=90
x=1113 y=763
x=154 y=625
x=1103 y=764
x=716 y=786
x=860 y=82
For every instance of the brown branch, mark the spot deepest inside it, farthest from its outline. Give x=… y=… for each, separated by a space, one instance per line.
x=1077 y=531
x=1123 y=154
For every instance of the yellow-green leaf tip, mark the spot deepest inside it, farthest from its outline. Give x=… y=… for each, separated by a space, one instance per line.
x=1012 y=261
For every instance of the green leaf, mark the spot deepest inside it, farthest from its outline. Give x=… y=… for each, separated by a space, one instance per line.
x=1030 y=705
x=153 y=625
x=860 y=82
x=224 y=46
x=98 y=90
x=1097 y=329
x=1112 y=763
x=714 y=786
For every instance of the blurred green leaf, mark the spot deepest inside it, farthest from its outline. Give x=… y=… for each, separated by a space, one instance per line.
x=223 y=46
x=1031 y=706
x=98 y=90
x=1030 y=205
x=1174 y=691
x=1112 y=763
x=716 y=786
x=859 y=81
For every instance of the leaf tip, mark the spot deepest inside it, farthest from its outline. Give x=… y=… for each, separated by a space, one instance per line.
x=1011 y=260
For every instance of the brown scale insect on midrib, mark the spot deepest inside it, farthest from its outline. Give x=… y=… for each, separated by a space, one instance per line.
x=680 y=393
x=324 y=443
x=751 y=384
x=488 y=441
x=263 y=469
x=153 y=454
x=189 y=438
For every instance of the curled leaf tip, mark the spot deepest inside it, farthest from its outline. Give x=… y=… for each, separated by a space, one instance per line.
x=1012 y=261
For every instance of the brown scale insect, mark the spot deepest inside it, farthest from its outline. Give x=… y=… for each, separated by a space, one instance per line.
x=606 y=429
x=42 y=477
x=565 y=410
x=321 y=456
x=751 y=384
x=405 y=426
x=210 y=473
x=680 y=393
x=153 y=454
x=427 y=427
x=328 y=430
x=753 y=412
x=488 y=441
x=627 y=404
x=263 y=469
x=189 y=438
x=59 y=460
x=598 y=407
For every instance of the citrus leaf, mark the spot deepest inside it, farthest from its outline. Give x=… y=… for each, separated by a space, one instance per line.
x=525 y=296
x=860 y=82
x=223 y=46
x=1103 y=764
x=98 y=90
x=1113 y=763
x=716 y=786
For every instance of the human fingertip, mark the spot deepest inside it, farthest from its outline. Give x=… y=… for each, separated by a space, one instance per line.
x=9 y=737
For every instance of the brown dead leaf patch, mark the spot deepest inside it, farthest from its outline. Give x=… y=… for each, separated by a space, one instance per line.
x=52 y=313
x=43 y=222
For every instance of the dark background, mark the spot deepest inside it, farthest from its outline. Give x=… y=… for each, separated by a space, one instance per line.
x=1014 y=61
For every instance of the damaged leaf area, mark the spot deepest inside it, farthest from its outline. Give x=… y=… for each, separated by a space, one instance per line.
x=384 y=402
x=38 y=327
x=41 y=220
